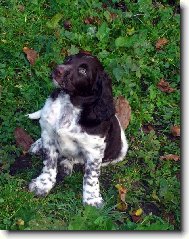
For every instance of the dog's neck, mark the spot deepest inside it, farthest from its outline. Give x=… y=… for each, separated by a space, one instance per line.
x=83 y=100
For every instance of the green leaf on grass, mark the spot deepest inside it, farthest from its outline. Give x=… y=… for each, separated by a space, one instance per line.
x=73 y=50
x=120 y=42
x=2 y=200
x=103 y=31
x=53 y=23
x=118 y=72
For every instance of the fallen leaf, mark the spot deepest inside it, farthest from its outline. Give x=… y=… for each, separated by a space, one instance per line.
x=73 y=50
x=57 y=34
x=121 y=203
x=113 y=16
x=136 y=215
x=53 y=22
x=31 y=54
x=21 y=8
x=147 y=128
x=135 y=218
x=20 y=222
x=52 y=64
x=175 y=130
x=165 y=86
x=92 y=20
x=121 y=5
x=161 y=42
x=23 y=139
x=139 y=212
x=155 y=196
x=110 y=16
x=64 y=52
x=67 y=25
x=170 y=157
x=123 y=111
x=104 y=5
x=132 y=139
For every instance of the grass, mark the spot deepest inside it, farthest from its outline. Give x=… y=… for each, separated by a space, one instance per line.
x=126 y=47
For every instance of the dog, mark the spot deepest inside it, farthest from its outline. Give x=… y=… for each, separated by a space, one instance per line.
x=78 y=126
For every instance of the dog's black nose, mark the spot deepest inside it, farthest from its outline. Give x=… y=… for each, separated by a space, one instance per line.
x=58 y=71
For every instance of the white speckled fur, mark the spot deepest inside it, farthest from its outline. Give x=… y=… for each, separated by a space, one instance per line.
x=62 y=137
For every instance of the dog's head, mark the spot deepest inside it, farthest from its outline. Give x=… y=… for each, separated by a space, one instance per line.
x=82 y=76
x=78 y=74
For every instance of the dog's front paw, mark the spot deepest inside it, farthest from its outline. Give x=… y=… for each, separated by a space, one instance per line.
x=36 y=147
x=41 y=186
x=96 y=202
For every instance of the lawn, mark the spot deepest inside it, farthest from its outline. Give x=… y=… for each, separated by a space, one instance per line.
x=138 y=42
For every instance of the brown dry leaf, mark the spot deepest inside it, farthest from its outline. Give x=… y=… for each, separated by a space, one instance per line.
x=147 y=128
x=165 y=86
x=175 y=130
x=23 y=139
x=20 y=222
x=121 y=6
x=64 y=52
x=123 y=111
x=67 y=25
x=121 y=203
x=136 y=218
x=161 y=42
x=104 y=5
x=31 y=54
x=21 y=8
x=52 y=64
x=136 y=215
x=170 y=157
x=92 y=20
x=57 y=34
x=113 y=16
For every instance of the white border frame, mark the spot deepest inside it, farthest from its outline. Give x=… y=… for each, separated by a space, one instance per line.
x=184 y=234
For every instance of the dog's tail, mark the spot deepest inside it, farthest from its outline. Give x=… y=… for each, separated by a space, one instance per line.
x=35 y=115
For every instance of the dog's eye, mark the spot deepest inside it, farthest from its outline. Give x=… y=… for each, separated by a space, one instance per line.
x=82 y=69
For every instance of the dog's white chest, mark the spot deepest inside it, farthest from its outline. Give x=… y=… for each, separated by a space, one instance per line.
x=60 y=113
x=59 y=118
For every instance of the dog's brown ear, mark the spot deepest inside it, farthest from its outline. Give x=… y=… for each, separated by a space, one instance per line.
x=104 y=107
x=99 y=106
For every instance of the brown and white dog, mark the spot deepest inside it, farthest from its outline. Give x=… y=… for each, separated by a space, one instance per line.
x=78 y=126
